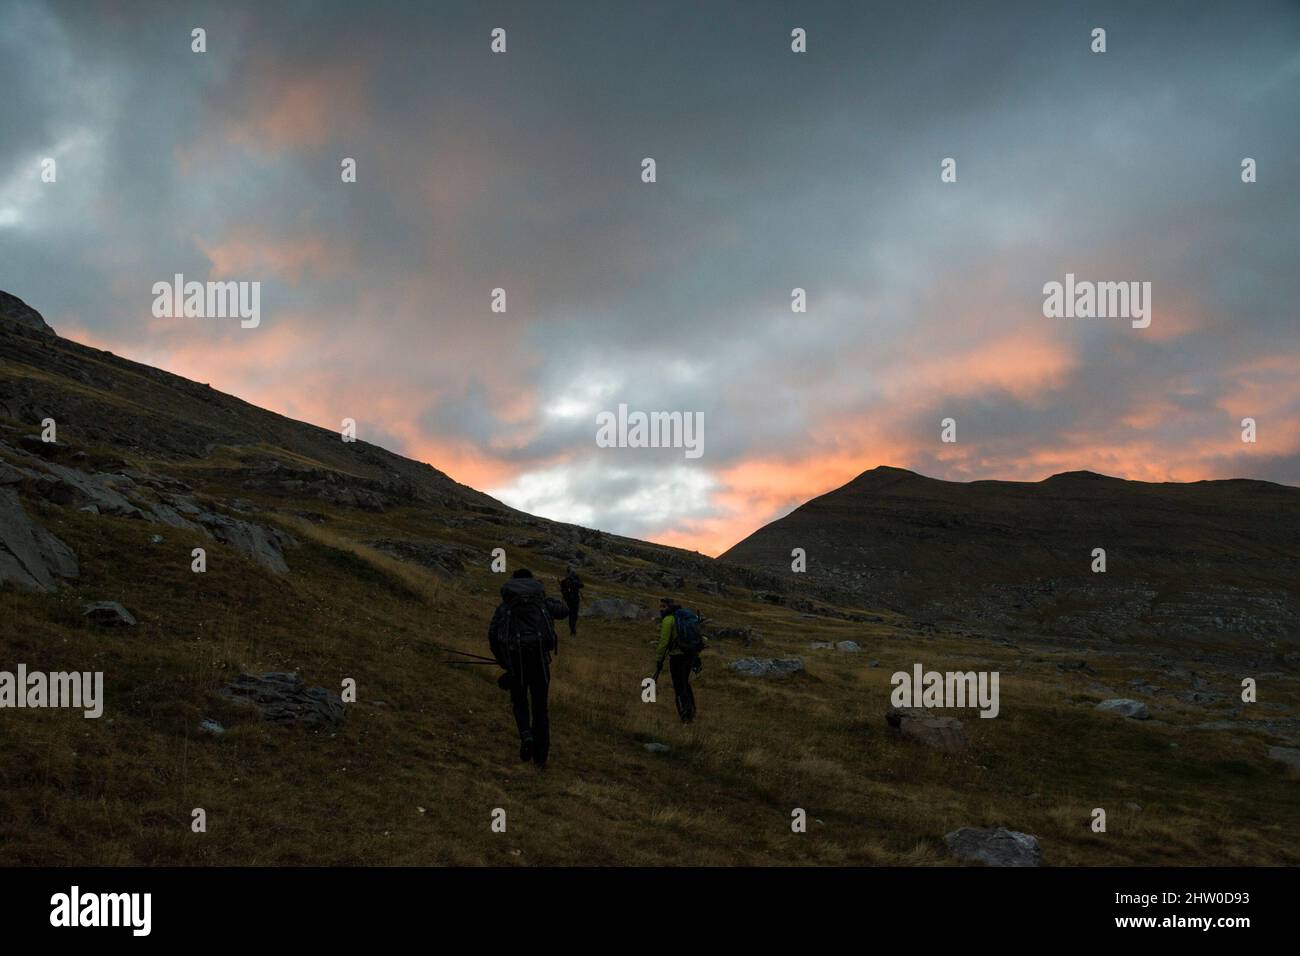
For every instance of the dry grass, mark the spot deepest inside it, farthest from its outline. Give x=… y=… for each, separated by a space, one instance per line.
x=120 y=790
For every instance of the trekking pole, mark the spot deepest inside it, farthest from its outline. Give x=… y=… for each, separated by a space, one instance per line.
x=452 y=650
x=479 y=663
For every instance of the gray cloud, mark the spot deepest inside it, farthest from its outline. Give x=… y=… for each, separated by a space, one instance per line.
x=775 y=171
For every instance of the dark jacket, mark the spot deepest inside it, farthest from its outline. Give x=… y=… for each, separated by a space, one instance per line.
x=570 y=585
x=514 y=591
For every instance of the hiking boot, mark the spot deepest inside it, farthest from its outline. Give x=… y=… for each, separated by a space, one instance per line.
x=526 y=748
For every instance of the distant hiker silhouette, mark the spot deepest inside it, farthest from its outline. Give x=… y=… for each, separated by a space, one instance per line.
x=571 y=591
x=522 y=637
x=681 y=641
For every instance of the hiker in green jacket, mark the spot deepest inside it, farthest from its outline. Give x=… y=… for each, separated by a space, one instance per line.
x=683 y=653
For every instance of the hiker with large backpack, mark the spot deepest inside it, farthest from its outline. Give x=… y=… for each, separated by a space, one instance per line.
x=680 y=640
x=522 y=637
x=571 y=591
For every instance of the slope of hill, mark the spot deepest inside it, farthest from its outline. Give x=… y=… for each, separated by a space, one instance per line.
x=344 y=562
x=1206 y=561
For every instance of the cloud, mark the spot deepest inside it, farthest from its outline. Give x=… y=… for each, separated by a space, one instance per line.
x=776 y=171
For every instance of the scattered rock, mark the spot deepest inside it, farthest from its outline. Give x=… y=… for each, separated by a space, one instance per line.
x=942 y=733
x=30 y=556
x=286 y=699
x=767 y=667
x=616 y=609
x=1125 y=708
x=108 y=614
x=995 y=846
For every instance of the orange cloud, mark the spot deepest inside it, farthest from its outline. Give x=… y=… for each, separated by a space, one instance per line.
x=249 y=253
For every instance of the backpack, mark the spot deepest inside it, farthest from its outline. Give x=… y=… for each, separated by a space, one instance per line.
x=689 y=638
x=528 y=620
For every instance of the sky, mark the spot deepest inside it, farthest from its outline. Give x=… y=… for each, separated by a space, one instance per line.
x=774 y=170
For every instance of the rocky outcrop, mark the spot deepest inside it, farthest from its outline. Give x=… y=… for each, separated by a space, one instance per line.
x=448 y=558
x=14 y=309
x=70 y=487
x=997 y=846
x=767 y=667
x=30 y=556
x=285 y=698
x=264 y=545
x=1125 y=708
x=616 y=609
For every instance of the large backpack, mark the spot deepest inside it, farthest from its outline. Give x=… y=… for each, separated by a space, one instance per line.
x=689 y=638
x=528 y=621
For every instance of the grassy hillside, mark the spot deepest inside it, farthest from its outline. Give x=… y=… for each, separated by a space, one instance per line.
x=412 y=774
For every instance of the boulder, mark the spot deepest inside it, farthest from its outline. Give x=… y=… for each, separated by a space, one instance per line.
x=767 y=667
x=286 y=699
x=657 y=748
x=616 y=609
x=1125 y=708
x=848 y=647
x=996 y=846
x=108 y=614
x=263 y=545
x=942 y=733
x=30 y=556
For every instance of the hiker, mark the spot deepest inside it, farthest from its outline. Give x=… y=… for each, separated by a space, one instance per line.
x=522 y=637
x=570 y=590
x=680 y=641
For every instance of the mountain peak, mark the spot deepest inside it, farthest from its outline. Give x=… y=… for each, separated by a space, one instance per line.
x=885 y=471
x=1081 y=476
